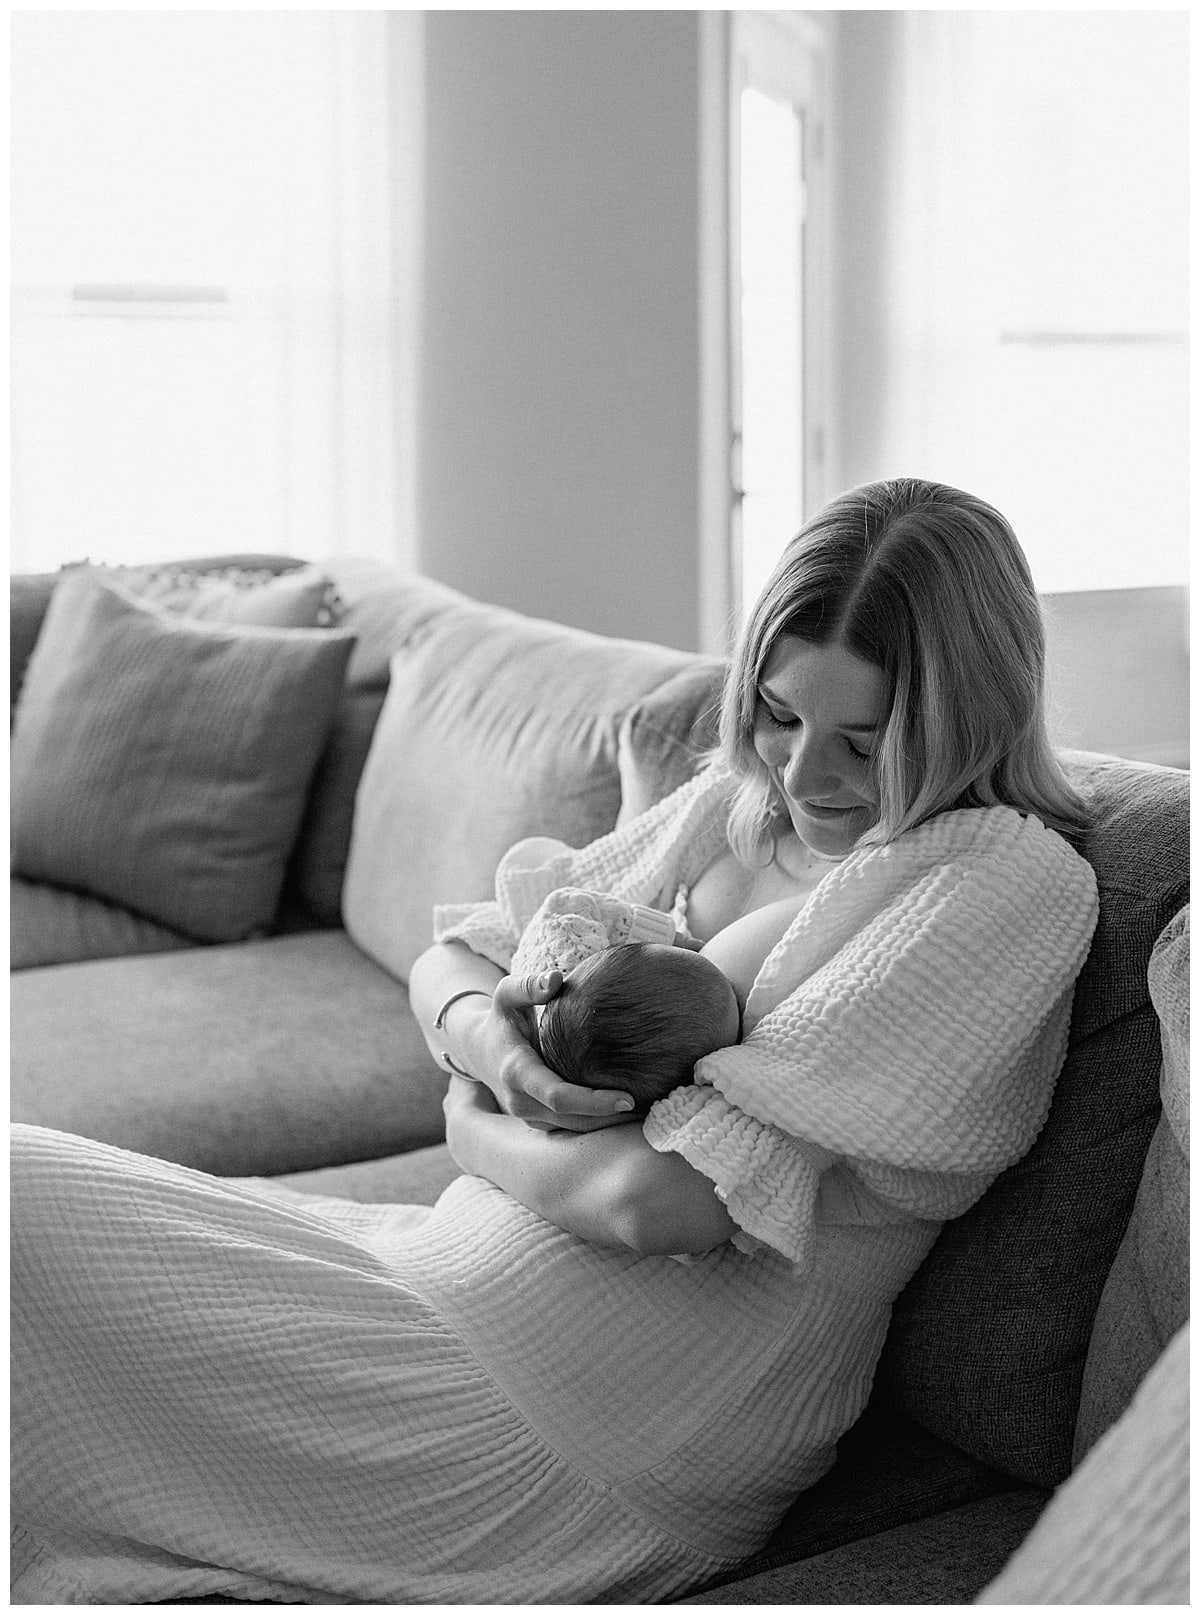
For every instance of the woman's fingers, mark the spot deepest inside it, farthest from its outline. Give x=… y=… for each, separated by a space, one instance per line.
x=540 y=1096
x=519 y=992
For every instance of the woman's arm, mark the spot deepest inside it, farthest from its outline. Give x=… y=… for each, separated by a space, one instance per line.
x=488 y=1035
x=607 y=1186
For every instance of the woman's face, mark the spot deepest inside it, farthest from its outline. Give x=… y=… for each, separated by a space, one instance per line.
x=819 y=711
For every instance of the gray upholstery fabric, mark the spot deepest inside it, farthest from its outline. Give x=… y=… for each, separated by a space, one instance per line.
x=164 y=764
x=1117 y=1532
x=987 y=1343
x=254 y=1059
x=495 y=727
x=414 y=1179
x=944 y=1559
x=1146 y=1295
x=29 y=596
x=664 y=737
x=317 y=870
x=51 y=925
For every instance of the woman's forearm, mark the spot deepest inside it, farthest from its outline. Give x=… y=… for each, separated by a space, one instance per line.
x=609 y=1186
x=441 y=971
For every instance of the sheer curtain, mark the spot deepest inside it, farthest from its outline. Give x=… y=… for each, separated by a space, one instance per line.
x=214 y=269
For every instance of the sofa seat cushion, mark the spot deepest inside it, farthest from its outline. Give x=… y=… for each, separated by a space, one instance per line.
x=988 y=1342
x=495 y=727
x=253 y=1059
x=51 y=925
x=162 y=763
x=1146 y=1295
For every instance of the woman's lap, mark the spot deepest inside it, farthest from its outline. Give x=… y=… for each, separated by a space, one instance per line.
x=240 y=1378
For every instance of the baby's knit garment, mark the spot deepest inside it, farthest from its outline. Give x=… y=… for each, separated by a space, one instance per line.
x=230 y=1388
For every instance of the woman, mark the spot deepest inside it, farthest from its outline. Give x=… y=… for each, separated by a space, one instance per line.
x=605 y=1362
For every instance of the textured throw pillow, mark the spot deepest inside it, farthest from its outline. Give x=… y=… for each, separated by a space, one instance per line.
x=300 y=597
x=162 y=763
x=988 y=1342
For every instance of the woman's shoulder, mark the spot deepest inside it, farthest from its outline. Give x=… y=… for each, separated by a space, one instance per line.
x=1002 y=844
x=990 y=832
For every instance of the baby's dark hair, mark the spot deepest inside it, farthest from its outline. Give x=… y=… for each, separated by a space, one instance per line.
x=637 y=1016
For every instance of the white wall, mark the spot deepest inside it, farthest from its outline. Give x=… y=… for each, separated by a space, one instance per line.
x=559 y=393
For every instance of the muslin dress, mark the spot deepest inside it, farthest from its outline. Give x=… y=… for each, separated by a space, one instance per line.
x=223 y=1386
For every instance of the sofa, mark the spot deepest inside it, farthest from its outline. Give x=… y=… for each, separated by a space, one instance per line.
x=240 y=784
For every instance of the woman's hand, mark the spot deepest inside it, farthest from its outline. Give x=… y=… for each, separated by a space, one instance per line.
x=464 y=1101
x=503 y=1056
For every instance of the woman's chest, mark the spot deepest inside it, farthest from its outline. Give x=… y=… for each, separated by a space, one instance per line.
x=727 y=890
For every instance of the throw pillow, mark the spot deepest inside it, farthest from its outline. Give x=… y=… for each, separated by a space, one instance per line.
x=300 y=597
x=29 y=596
x=52 y=925
x=163 y=763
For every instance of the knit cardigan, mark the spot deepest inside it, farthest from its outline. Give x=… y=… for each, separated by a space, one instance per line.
x=907 y=1029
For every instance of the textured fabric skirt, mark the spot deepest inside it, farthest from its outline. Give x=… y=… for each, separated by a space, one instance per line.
x=224 y=1387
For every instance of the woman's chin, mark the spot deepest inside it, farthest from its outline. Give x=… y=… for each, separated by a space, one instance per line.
x=830 y=834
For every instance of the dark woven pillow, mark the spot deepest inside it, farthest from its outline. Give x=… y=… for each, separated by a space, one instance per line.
x=988 y=1342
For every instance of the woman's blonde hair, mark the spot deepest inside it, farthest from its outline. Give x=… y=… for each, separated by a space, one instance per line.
x=930 y=585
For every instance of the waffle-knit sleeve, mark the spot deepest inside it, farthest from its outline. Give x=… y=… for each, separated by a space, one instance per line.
x=921 y=1051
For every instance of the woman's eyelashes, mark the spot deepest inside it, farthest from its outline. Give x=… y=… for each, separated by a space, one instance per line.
x=789 y=720
x=777 y=720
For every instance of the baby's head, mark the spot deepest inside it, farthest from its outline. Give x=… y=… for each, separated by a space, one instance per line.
x=638 y=1016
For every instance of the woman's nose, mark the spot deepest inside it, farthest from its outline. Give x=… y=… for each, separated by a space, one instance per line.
x=808 y=771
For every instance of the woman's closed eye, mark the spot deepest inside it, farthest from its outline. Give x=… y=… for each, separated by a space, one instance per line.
x=777 y=719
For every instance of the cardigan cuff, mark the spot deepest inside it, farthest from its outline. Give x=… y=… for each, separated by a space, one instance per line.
x=767 y=1180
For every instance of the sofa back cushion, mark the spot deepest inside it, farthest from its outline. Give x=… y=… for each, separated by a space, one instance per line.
x=1145 y=1299
x=495 y=726
x=988 y=1342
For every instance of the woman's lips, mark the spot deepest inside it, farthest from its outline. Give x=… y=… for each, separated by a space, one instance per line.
x=820 y=812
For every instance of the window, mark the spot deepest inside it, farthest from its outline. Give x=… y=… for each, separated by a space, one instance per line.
x=1014 y=275
x=765 y=316
x=207 y=353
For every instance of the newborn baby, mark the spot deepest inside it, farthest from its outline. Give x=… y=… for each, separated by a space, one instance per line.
x=640 y=1003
